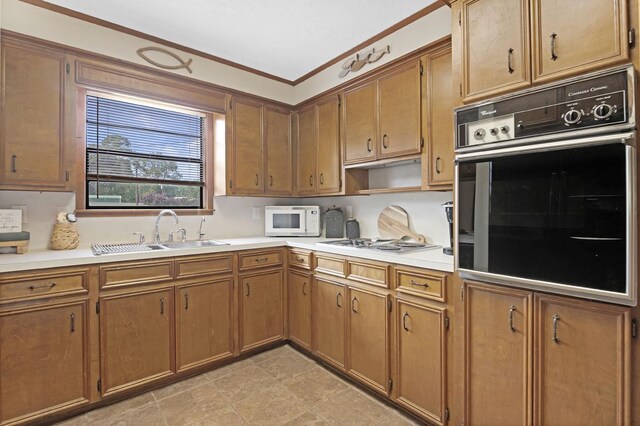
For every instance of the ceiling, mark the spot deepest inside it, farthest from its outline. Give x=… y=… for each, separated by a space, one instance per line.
x=285 y=38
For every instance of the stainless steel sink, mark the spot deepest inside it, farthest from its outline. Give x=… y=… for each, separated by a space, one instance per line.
x=194 y=244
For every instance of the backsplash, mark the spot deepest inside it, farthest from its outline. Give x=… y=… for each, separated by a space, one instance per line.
x=233 y=216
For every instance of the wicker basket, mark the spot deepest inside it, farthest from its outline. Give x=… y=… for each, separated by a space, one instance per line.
x=65 y=236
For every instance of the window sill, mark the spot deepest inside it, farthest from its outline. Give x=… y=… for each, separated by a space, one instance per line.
x=145 y=212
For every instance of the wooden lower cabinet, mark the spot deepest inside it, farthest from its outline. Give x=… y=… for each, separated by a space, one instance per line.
x=421 y=359
x=261 y=309
x=44 y=360
x=582 y=369
x=136 y=338
x=204 y=322
x=329 y=321
x=299 y=300
x=368 y=338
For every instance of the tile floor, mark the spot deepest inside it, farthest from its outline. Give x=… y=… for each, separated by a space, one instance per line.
x=278 y=387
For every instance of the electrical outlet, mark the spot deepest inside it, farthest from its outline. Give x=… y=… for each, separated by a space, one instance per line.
x=256 y=213
x=25 y=218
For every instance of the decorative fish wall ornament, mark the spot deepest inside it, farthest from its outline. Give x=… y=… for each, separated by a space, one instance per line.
x=182 y=63
x=361 y=59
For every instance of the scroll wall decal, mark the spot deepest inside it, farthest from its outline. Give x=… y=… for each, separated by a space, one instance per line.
x=182 y=63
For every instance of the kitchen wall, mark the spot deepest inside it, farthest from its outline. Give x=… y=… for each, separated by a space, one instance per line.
x=233 y=217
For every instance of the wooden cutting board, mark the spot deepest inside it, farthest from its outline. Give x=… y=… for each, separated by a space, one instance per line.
x=393 y=222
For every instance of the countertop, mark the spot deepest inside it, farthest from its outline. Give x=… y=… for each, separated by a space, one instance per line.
x=39 y=259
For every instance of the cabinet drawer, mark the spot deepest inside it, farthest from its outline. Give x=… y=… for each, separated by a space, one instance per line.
x=368 y=273
x=203 y=265
x=300 y=259
x=259 y=260
x=135 y=273
x=429 y=284
x=34 y=285
x=330 y=265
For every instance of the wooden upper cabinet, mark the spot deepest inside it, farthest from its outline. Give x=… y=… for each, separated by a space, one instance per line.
x=32 y=119
x=360 y=121
x=570 y=38
x=44 y=360
x=438 y=123
x=247 y=167
x=497 y=355
x=495 y=47
x=261 y=309
x=328 y=146
x=399 y=112
x=582 y=362
x=277 y=141
x=306 y=152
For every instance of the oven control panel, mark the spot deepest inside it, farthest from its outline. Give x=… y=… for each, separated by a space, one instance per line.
x=587 y=105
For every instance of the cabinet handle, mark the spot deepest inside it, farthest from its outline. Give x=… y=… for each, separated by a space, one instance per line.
x=556 y=317
x=304 y=288
x=412 y=282
x=509 y=56
x=310 y=180
x=162 y=306
x=300 y=259
x=512 y=309
x=369 y=149
x=385 y=145
x=186 y=301
x=73 y=323
x=257 y=179
x=438 y=170
x=270 y=180
x=46 y=286
x=321 y=178
x=338 y=298
x=404 y=321
x=552 y=38
x=248 y=290
x=261 y=259
x=353 y=302
x=13 y=163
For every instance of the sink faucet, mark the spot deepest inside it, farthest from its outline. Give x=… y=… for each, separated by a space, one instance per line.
x=156 y=233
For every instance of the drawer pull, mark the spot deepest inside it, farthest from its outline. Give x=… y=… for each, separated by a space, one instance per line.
x=40 y=287
x=354 y=301
x=512 y=309
x=162 y=306
x=339 y=300
x=304 y=288
x=186 y=301
x=417 y=284
x=262 y=259
x=404 y=321
x=73 y=323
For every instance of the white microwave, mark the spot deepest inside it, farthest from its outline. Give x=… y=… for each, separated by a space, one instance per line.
x=287 y=221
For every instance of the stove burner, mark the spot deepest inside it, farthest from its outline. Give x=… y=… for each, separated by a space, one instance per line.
x=388 y=245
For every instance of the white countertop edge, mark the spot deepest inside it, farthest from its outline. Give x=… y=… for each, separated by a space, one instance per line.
x=42 y=259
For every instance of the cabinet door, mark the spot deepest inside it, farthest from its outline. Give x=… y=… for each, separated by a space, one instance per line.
x=306 y=152
x=329 y=321
x=582 y=362
x=204 y=319
x=421 y=359
x=44 y=360
x=328 y=146
x=497 y=355
x=247 y=168
x=136 y=339
x=261 y=309
x=495 y=47
x=399 y=112
x=277 y=134
x=570 y=39
x=32 y=130
x=300 y=308
x=439 y=119
x=368 y=338
x=360 y=124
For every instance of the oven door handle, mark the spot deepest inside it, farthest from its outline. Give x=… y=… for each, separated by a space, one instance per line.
x=625 y=138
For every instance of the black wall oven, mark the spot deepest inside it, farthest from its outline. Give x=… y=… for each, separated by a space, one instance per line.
x=546 y=189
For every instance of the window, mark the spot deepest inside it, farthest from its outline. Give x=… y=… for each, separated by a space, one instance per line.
x=142 y=156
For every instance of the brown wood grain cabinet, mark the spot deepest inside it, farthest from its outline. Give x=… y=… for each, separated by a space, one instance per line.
x=35 y=145
x=329 y=326
x=306 y=152
x=299 y=302
x=261 y=308
x=204 y=322
x=277 y=141
x=247 y=172
x=136 y=338
x=360 y=117
x=421 y=358
x=44 y=360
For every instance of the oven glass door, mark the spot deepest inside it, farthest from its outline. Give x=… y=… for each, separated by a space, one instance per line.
x=287 y=221
x=558 y=216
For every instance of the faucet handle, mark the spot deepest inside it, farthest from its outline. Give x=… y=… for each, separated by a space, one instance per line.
x=140 y=237
x=183 y=234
